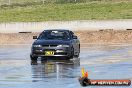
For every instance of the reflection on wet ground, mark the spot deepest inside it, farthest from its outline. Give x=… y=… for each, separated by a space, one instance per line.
x=54 y=69
x=102 y=62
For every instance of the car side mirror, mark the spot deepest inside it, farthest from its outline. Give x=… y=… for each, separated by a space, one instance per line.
x=35 y=37
x=74 y=37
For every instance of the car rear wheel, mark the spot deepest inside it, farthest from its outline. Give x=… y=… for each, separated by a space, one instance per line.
x=33 y=58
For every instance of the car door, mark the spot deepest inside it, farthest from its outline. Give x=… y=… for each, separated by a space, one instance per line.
x=75 y=42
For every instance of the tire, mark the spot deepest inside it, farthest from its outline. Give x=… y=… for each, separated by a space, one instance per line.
x=77 y=55
x=72 y=53
x=33 y=58
x=33 y=62
x=78 y=52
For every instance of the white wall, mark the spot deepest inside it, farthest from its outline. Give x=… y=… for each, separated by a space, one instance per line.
x=73 y=25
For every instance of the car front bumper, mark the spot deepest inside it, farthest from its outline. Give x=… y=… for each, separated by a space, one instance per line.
x=58 y=51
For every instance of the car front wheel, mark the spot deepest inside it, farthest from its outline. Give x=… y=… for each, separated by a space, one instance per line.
x=33 y=58
x=72 y=53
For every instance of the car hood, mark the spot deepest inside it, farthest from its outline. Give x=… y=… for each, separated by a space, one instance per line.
x=54 y=42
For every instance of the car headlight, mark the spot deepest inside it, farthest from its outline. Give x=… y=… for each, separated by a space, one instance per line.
x=63 y=46
x=37 y=46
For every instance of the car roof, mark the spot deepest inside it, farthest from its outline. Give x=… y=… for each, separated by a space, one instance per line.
x=56 y=30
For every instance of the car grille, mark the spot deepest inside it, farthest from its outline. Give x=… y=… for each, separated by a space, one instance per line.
x=49 y=45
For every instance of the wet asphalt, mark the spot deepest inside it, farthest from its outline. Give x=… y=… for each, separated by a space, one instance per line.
x=101 y=62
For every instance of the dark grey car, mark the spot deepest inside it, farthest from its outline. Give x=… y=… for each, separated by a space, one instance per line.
x=55 y=43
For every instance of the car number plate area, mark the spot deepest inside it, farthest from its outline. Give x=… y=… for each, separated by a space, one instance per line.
x=49 y=53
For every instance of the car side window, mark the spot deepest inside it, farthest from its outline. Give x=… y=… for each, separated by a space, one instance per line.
x=72 y=34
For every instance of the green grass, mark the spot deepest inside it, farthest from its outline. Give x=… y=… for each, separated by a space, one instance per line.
x=60 y=12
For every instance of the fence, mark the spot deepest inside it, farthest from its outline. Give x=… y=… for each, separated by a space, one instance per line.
x=10 y=2
x=72 y=25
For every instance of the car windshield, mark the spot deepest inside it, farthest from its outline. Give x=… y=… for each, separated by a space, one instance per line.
x=55 y=35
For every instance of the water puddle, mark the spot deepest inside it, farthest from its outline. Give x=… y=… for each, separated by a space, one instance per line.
x=102 y=62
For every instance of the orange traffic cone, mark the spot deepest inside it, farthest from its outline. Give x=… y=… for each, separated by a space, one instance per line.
x=84 y=74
